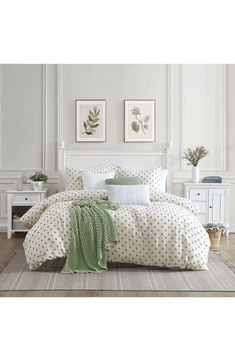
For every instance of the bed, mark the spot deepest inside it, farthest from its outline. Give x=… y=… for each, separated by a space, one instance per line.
x=164 y=233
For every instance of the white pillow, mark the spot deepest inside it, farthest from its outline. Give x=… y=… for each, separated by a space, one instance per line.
x=163 y=177
x=146 y=176
x=74 y=179
x=129 y=194
x=96 y=180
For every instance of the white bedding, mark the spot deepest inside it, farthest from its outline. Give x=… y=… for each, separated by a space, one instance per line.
x=165 y=234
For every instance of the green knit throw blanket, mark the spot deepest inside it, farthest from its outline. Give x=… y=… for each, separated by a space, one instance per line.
x=93 y=233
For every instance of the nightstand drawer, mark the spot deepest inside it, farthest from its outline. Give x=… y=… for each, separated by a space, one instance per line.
x=197 y=194
x=34 y=198
x=18 y=203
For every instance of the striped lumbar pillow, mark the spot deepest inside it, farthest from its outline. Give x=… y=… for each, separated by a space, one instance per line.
x=123 y=181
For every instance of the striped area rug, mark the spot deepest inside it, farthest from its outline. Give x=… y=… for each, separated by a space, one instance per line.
x=17 y=276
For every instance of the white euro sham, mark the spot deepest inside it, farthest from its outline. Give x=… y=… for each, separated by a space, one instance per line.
x=146 y=176
x=96 y=180
x=74 y=179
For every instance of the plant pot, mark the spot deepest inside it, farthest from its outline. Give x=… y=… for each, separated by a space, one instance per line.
x=195 y=174
x=215 y=236
x=38 y=186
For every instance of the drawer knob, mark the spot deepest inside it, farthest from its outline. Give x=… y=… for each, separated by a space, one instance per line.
x=198 y=194
x=210 y=207
x=26 y=199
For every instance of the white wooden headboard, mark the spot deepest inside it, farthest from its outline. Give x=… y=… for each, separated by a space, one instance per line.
x=76 y=158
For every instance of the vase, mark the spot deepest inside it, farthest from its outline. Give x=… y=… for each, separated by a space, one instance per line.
x=196 y=172
x=215 y=236
x=38 y=186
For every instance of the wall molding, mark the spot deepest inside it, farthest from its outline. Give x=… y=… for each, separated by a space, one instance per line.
x=169 y=105
x=3 y=204
x=44 y=117
x=224 y=119
x=169 y=128
x=8 y=180
x=58 y=114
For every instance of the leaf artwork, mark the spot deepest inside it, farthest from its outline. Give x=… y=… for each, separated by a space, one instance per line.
x=91 y=124
x=140 y=122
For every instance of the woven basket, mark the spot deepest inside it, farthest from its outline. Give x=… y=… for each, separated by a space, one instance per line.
x=215 y=236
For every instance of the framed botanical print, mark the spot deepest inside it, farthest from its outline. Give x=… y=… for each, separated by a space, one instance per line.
x=90 y=120
x=140 y=123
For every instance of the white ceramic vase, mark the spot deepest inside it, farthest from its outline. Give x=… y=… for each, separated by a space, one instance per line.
x=195 y=174
x=38 y=186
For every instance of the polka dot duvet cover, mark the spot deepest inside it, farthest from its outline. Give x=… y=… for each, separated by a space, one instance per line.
x=165 y=234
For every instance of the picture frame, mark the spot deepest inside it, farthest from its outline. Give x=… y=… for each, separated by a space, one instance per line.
x=140 y=120
x=90 y=120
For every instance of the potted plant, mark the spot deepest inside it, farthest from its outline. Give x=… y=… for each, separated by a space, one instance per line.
x=215 y=231
x=38 y=179
x=193 y=156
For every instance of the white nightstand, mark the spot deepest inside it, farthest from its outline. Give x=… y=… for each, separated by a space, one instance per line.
x=213 y=201
x=18 y=203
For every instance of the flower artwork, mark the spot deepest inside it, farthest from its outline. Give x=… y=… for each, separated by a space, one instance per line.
x=139 y=120
x=90 y=121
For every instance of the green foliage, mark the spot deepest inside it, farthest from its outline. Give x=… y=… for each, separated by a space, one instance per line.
x=39 y=177
x=91 y=123
x=214 y=226
x=194 y=155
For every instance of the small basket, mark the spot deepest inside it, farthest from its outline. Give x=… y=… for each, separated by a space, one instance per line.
x=215 y=236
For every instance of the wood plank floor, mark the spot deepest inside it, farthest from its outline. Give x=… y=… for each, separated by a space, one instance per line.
x=9 y=247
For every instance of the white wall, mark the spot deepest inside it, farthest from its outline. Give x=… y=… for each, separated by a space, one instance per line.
x=37 y=110
x=28 y=125
x=22 y=117
x=113 y=83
